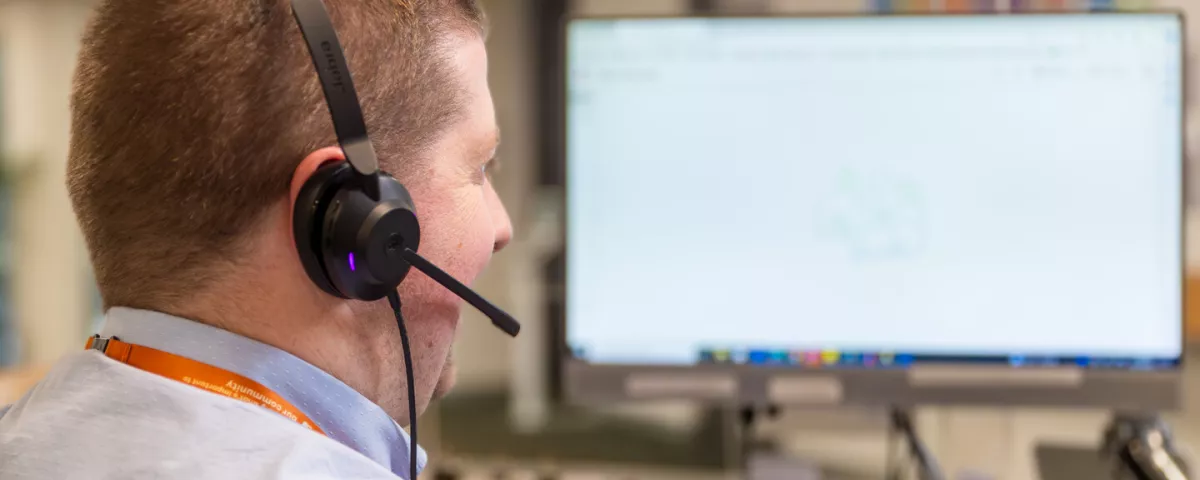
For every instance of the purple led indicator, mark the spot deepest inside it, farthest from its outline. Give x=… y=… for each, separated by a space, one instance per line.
x=351 y=262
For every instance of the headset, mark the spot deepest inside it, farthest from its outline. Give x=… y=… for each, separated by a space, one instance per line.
x=355 y=226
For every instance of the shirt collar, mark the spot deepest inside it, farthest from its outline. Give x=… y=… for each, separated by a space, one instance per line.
x=342 y=413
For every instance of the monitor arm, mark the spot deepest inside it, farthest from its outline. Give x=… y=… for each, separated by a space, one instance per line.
x=1140 y=447
x=927 y=466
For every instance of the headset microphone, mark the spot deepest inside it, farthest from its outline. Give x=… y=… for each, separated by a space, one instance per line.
x=355 y=226
x=500 y=319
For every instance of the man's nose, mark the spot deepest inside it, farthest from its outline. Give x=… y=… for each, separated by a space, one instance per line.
x=503 y=235
x=501 y=220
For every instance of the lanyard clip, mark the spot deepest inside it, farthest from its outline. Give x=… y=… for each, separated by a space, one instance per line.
x=112 y=347
x=99 y=343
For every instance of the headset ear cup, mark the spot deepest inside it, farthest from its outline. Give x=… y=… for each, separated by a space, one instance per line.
x=364 y=237
x=308 y=218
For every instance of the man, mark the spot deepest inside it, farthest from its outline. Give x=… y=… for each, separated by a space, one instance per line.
x=195 y=123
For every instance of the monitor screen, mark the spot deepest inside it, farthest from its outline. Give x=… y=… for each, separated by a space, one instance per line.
x=875 y=191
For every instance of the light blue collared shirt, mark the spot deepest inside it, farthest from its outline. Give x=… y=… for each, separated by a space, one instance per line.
x=340 y=411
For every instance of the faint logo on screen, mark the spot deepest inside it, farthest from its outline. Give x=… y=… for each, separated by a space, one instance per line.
x=873 y=215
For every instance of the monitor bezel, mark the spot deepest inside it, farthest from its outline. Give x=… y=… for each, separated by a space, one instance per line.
x=965 y=384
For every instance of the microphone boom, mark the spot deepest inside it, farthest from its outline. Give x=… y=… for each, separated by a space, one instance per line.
x=500 y=319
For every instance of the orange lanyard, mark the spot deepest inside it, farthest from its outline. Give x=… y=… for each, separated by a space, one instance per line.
x=200 y=375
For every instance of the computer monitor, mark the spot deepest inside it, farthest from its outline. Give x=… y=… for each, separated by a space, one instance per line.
x=875 y=209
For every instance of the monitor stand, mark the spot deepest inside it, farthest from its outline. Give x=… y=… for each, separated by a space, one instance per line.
x=759 y=458
x=763 y=459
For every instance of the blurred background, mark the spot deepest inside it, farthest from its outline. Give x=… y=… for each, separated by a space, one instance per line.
x=508 y=412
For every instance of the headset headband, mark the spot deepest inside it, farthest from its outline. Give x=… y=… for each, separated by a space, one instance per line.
x=332 y=69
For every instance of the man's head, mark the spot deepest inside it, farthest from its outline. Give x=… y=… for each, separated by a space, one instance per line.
x=195 y=123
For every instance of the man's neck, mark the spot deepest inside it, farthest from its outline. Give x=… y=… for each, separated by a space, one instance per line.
x=271 y=299
x=297 y=318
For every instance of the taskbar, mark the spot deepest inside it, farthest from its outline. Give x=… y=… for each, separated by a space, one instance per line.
x=842 y=359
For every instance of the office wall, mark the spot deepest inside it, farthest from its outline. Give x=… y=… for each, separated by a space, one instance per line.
x=51 y=295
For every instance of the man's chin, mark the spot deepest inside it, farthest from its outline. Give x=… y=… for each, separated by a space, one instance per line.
x=443 y=387
x=446 y=380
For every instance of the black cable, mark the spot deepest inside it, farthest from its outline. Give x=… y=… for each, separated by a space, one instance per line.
x=394 y=300
x=891 y=465
x=898 y=463
x=918 y=452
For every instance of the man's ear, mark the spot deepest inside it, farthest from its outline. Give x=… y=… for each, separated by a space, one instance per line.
x=305 y=171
